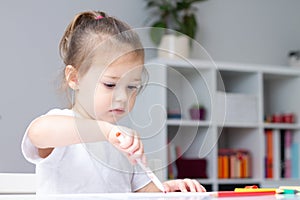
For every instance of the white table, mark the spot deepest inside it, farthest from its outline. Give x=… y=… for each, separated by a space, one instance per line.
x=141 y=196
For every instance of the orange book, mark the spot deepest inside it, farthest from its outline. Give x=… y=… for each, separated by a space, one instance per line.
x=226 y=166
x=269 y=153
x=234 y=163
x=244 y=167
x=244 y=170
x=247 y=166
x=220 y=167
x=223 y=163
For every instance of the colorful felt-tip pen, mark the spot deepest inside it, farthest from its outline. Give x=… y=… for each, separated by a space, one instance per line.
x=241 y=194
x=148 y=171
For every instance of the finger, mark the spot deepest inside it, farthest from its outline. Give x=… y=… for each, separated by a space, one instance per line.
x=182 y=186
x=167 y=187
x=202 y=188
x=135 y=145
x=190 y=184
x=199 y=187
x=131 y=160
x=144 y=159
x=126 y=142
x=139 y=153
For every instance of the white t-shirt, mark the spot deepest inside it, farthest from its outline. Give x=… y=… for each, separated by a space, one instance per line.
x=83 y=168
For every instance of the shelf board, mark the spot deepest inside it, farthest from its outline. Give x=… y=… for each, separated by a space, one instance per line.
x=187 y=122
x=238 y=181
x=280 y=182
x=238 y=125
x=281 y=126
x=269 y=70
x=205 y=181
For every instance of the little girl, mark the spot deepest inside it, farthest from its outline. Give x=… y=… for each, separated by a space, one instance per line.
x=104 y=69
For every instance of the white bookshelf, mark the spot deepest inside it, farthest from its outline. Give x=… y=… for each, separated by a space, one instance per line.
x=177 y=84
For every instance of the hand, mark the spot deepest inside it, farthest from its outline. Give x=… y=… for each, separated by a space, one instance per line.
x=183 y=185
x=128 y=142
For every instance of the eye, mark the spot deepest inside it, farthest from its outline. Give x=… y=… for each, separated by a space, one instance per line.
x=109 y=85
x=134 y=87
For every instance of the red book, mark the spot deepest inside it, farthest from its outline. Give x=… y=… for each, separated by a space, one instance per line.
x=269 y=153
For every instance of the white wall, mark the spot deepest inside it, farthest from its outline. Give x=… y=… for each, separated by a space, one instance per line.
x=254 y=31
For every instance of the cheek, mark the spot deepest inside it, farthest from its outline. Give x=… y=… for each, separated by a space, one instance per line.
x=102 y=100
x=131 y=102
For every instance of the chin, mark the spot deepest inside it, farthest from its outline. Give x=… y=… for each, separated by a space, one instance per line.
x=113 y=119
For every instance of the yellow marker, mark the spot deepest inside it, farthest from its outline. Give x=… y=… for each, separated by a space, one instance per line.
x=255 y=189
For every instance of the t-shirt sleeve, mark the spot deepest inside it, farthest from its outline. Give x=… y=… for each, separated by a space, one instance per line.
x=140 y=179
x=30 y=152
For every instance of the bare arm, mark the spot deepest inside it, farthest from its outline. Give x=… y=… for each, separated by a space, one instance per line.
x=56 y=131
x=151 y=187
x=50 y=131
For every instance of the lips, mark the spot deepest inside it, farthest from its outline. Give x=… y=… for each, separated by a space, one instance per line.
x=118 y=111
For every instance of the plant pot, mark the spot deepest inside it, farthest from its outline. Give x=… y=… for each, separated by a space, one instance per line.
x=174 y=46
x=197 y=113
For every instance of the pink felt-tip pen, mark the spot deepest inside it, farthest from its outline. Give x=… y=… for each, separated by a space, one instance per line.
x=148 y=171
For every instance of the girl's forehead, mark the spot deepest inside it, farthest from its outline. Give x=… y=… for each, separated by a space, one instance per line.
x=126 y=60
x=126 y=65
x=119 y=57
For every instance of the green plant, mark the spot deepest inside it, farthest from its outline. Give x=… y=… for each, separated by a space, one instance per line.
x=178 y=15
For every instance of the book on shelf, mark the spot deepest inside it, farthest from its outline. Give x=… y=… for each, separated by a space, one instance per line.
x=287 y=153
x=181 y=167
x=269 y=153
x=234 y=163
x=281 y=154
x=295 y=160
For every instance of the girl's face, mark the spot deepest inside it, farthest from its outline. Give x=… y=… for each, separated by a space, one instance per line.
x=109 y=93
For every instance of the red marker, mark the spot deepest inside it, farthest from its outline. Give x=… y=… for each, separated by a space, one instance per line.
x=240 y=194
x=150 y=174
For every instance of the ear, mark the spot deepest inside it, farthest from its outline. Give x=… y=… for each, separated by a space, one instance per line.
x=71 y=76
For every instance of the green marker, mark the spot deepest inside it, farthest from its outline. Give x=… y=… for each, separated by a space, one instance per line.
x=289 y=191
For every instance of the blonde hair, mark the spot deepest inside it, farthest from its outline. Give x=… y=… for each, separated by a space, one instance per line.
x=84 y=34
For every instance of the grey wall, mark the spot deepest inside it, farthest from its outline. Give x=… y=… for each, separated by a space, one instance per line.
x=30 y=64
x=250 y=31
x=253 y=31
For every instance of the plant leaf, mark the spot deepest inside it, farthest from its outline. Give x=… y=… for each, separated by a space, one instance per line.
x=157 y=31
x=190 y=23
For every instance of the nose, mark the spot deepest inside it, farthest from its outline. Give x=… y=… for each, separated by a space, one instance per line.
x=120 y=94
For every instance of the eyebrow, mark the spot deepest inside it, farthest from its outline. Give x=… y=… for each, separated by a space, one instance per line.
x=116 y=78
